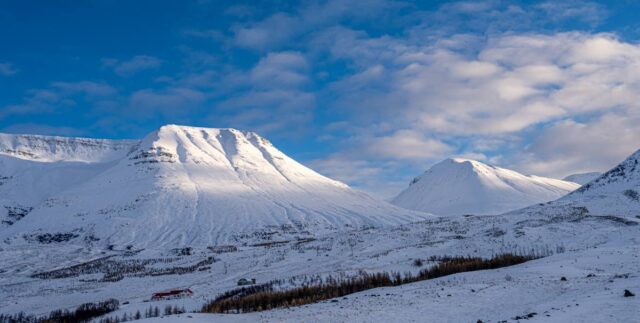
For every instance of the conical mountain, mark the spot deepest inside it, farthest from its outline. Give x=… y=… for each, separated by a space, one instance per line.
x=459 y=186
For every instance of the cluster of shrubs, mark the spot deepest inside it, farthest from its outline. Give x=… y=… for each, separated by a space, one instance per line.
x=116 y=270
x=266 y=299
x=186 y=251
x=84 y=313
x=152 y=311
x=47 y=238
x=15 y=213
x=223 y=249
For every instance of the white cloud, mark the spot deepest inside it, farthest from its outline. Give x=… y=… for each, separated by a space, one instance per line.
x=588 y=11
x=270 y=97
x=283 y=69
x=407 y=144
x=86 y=87
x=267 y=33
x=170 y=101
x=502 y=90
x=280 y=27
x=572 y=147
x=134 y=65
x=571 y=95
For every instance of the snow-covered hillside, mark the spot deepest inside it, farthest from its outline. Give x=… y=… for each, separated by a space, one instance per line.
x=615 y=192
x=178 y=186
x=463 y=186
x=582 y=178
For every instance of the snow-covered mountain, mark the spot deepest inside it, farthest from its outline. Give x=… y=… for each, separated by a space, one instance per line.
x=582 y=178
x=177 y=186
x=464 y=186
x=615 y=192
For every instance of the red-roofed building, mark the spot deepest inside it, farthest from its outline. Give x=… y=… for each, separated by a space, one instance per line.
x=174 y=293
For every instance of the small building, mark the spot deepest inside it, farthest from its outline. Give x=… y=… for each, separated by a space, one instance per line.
x=171 y=294
x=244 y=281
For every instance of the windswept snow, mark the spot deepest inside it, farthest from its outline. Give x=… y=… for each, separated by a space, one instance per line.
x=463 y=186
x=582 y=178
x=178 y=186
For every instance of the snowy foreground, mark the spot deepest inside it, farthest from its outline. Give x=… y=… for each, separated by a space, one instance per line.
x=583 y=245
x=490 y=296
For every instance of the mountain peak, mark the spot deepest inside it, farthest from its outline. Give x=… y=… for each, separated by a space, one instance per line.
x=175 y=143
x=465 y=186
x=186 y=185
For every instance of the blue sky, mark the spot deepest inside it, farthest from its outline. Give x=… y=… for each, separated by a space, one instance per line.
x=368 y=92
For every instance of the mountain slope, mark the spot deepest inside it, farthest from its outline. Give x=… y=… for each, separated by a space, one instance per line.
x=463 y=186
x=615 y=192
x=182 y=186
x=582 y=178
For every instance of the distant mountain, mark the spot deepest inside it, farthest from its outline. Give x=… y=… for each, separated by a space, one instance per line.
x=177 y=186
x=464 y=186
x=582 y=178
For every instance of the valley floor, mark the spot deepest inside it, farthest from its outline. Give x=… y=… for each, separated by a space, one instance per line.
x=598 y=255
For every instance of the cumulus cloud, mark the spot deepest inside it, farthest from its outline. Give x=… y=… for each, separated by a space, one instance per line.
x=283 y=69
x=419 y=101
x=277 y=29
x=134 y=65
x=271 y=97
x=407 y=144
x=570 y=147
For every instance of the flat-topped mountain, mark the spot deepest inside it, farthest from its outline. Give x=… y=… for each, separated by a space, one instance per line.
x=177 y=186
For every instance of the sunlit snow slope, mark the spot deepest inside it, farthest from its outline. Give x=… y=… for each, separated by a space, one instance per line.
x=463 y=186
x=177 y=186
